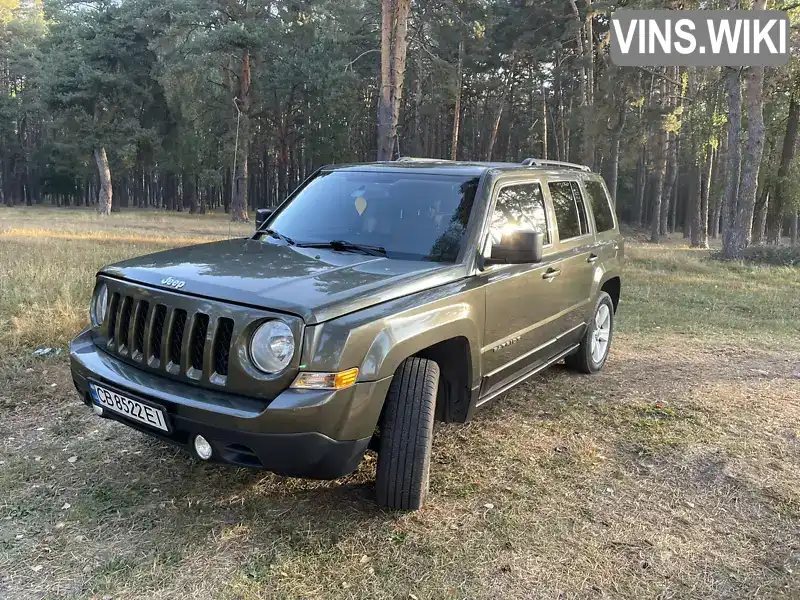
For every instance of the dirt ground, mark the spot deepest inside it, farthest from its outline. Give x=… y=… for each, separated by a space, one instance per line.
x=675 y=473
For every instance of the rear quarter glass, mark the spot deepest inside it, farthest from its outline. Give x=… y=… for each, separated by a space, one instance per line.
x=600 y=205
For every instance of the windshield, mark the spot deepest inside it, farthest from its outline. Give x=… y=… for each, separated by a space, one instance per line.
x=412 y=216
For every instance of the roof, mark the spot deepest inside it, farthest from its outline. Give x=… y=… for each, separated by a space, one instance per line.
x=435 y=166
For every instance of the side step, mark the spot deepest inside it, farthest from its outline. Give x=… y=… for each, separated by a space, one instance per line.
x=495 y=393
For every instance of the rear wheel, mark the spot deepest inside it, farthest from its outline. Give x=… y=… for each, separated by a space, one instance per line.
x=406 y=434
x=592 y=353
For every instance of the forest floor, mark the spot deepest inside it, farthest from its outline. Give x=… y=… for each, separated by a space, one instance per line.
x=675 y=473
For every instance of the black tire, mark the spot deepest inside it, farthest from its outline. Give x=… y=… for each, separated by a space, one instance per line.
x=406 y=433
x=581 y=360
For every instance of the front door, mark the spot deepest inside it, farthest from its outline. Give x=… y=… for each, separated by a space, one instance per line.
x=519 y=331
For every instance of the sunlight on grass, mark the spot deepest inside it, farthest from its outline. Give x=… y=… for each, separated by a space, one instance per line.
x=21 y=234
x=48 y=259
x=669 y=288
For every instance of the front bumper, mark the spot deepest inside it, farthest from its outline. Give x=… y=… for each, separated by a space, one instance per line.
x=318 y=434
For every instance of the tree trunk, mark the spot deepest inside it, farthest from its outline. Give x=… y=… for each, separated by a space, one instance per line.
x=240 y=171
x=457 y=109
x=614 y=168
x=417 y=109
x=190 y=192
x=795 y=222
x=586 y=79
x=399 y=49
x=544 y=122
x=394 y=43
x=661 y=168
x=705 y=192
x=734 y=159
x=616 y=133
x=495 y=128
x=778 y=203
x=673 y=103
x=743 y=224
x=669 y=183
x=104 y=196
x=589 y=117
x=641 y=185
x=760 y=217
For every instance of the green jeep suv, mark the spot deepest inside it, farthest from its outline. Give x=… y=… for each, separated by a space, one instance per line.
x=376 y=299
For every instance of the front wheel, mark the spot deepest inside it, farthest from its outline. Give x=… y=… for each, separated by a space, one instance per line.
x=592 y=353
x=406 y=434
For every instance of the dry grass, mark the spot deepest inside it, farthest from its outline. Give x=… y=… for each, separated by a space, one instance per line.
x=48 y=259
x=673 y=474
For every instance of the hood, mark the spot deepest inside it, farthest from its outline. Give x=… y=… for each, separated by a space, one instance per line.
x=318 y=284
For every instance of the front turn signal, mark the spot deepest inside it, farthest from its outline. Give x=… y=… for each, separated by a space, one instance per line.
x=326 y=381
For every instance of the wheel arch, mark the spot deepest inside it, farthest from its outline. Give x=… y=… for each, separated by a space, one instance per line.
x=455 y=378
x=612 y=285
x=453 y=345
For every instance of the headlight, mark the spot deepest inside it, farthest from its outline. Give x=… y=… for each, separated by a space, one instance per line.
x=272 y=346
x=99 y=305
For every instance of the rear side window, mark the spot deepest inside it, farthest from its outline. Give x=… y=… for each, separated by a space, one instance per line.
x=601 y=205
x=569 y=208
x=519 y=207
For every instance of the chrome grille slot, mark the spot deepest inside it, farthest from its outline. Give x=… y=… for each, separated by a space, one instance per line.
x=176 y=339
x=142 y=310
x=124 y=324
x=222 y=346
x=112 y=317
x=158 y=332
x=197 y=344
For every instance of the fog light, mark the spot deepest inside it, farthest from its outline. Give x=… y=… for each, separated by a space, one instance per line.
x=202 y=447
x=97 y=409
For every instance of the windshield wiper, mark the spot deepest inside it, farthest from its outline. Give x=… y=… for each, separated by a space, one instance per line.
x=280 y=236
x=345 y=246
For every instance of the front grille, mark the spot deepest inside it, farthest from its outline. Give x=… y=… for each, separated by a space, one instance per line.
x=197 y=341
x=137 y=330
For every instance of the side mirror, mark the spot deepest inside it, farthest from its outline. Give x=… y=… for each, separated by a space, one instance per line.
x=518 y=247
x=262 y=214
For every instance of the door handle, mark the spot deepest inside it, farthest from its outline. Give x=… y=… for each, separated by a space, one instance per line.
x=592 y=258
x=551 y=273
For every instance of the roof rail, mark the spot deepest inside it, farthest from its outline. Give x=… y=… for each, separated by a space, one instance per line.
x=420 y=159
x=538 y=162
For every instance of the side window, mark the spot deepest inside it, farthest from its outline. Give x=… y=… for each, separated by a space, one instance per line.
x=569 y=208
x=519 y=207
x=583 y=214
x=601 y=205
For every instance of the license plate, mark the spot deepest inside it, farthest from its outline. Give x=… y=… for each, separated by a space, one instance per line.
x=133 y=409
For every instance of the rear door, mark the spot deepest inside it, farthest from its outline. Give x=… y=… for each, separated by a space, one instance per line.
x=575 y=249
x=605 y=221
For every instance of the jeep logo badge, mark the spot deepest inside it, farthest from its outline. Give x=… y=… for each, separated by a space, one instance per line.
x=173 y=283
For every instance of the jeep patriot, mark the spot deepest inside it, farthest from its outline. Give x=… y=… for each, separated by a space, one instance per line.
x=376 y=299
